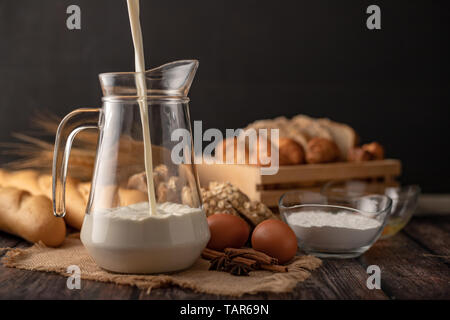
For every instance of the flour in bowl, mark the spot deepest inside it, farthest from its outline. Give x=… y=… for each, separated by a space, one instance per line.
x=326 y=231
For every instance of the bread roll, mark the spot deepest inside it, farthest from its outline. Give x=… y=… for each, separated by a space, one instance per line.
x=344 y=136
x=30 y=217
x=359 y=155
x=303 y=128
x=231 y=145
x=321 y=150
x=375 y=149
x=290 y=152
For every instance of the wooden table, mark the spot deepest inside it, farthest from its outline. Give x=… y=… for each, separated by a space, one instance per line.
x=414 y=265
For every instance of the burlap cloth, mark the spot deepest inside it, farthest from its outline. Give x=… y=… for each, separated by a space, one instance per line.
x=41 y=258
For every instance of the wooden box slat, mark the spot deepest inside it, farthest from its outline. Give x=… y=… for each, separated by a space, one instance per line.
x=269 y=188
x=334 y=171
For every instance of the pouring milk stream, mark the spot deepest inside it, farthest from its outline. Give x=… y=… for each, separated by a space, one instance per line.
x=133 y=12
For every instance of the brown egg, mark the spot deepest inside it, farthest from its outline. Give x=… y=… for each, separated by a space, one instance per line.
x=275 y=238
x=227 y=231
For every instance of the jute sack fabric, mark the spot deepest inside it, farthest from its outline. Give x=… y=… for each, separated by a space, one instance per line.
x=41 y=258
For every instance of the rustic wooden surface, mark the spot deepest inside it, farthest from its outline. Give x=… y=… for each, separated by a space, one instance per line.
x=414 y=265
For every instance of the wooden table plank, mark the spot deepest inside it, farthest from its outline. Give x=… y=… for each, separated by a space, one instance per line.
x=8 y=241
x=409 y=266
x=336 y=279
x=406 y=270
x=325 y=283
x=432 y=233
x=23 y=284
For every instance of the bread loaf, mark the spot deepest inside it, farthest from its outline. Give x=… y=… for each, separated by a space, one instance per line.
x=30 y=217
x=310 y=127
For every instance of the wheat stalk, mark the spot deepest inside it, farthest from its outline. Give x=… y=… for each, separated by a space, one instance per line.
x=37 y=153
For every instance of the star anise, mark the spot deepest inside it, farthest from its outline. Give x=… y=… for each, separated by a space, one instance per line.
x=219 y=264
x=239 y=269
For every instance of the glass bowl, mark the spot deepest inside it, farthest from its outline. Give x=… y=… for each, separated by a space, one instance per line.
x=404 y=200
x=330 y=228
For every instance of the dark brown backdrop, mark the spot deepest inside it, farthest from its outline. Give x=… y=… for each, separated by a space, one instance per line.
x=258 y=59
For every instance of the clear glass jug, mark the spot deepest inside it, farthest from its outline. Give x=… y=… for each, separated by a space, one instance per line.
x=117 y=230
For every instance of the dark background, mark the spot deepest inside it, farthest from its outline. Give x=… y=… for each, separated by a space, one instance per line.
x=258 y=59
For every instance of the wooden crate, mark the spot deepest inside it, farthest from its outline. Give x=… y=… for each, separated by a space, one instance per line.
x=269 y=188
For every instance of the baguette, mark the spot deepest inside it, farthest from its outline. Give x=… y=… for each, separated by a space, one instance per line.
x=41 y=184
x=75 y=202
x=30 y=217
x=77 y=193
x=130 y=196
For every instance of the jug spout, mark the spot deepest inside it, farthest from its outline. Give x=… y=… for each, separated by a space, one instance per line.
x=172 y=79
x=175 y=77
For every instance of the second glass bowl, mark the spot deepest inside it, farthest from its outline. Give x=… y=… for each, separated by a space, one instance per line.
x=404 y=199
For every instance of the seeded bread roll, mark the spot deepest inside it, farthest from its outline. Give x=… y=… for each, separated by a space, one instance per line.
x=30 y=217
x=235 y=201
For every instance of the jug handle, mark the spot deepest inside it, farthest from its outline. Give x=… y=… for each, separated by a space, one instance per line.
x=73 y=123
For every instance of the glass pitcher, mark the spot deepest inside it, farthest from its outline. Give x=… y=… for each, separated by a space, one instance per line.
x=118 y=230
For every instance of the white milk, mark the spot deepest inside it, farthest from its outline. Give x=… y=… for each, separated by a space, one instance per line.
x=133 y=12
x=129 y=240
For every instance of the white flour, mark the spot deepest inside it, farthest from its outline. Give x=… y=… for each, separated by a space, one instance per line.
x=325 y=231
